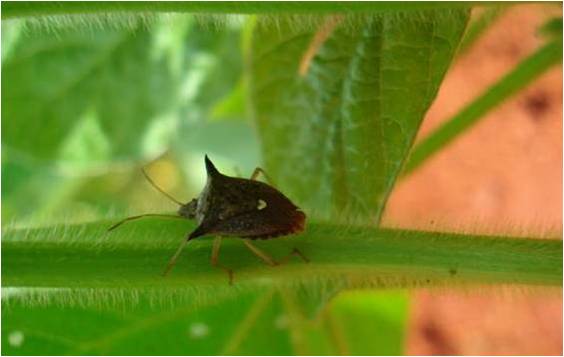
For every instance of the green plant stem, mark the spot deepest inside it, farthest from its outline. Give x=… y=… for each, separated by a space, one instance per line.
x=41 y=8
x=134 y=256
x=525 y=72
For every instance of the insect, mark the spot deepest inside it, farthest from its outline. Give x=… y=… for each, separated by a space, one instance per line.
x=232 y=206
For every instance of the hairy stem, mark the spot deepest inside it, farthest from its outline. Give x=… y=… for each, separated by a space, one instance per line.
x=134 y=255
x=42 y=8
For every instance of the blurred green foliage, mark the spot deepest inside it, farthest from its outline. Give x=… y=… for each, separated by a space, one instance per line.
x=83 y=108
x=250 y=324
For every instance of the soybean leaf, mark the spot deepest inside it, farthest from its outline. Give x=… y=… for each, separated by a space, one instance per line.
x=140 y=119
x=338 y=108
x=258 y=323
x=74 y=88
x=384 y=311
x=86 y=98
x=199 y=329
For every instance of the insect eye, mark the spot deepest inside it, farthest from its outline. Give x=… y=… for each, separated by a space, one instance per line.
x=261 y=205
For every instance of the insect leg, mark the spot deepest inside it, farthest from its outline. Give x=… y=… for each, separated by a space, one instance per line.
x=259 y=253
x=141 y=216
x=214 y=259
x=294 y=252
x=259 y=171
x=172 y=260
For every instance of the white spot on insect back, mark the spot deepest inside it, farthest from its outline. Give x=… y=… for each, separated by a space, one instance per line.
x=198 y=330
x=261 y=205
x=16 y=338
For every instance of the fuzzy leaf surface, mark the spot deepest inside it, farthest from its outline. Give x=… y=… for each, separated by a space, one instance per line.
x=338 y=108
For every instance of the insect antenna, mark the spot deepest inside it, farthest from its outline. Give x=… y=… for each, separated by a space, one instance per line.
x=142 y=216
x=160 y=189
x=150 y=214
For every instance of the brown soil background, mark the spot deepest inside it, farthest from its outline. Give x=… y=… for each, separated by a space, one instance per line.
x=502 y=175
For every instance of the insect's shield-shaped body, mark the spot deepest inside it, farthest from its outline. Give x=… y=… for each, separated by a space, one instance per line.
x=230 y=206
x=240 y=207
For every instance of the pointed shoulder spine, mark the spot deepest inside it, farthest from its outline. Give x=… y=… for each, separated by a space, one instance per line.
x=210 y=168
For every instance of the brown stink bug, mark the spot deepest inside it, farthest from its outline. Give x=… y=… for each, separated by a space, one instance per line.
x=232 y=206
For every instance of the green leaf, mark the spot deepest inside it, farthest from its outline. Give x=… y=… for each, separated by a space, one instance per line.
x=386 y=314
x=258 y=323
x=198 y=329
x=106 y=85
x=113 y=95
x=527 y=71
x=54 y=175
x=232 y=143
x=32 y=190
x=232 y=106
x=337 y=116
